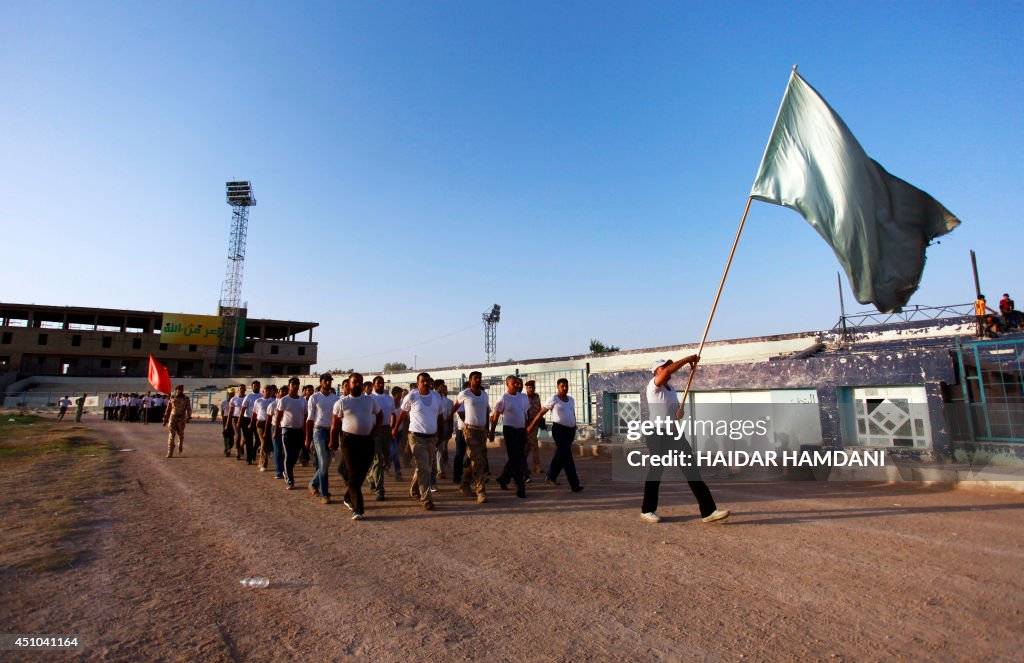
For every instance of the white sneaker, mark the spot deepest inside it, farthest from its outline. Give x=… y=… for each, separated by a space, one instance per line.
x=651 y=517
x=719 y=514
x=357 y=516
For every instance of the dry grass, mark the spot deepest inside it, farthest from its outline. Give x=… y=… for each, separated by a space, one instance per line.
x=51 y=474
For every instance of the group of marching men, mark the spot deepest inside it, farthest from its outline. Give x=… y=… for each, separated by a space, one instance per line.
x=134 y=408
x=375 y=430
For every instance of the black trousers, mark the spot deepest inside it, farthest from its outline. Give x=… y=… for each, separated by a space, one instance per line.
x=515 y=447
x=294 y=439
x=563 y=460
x=229 y=437
x=357 y=453
x=661 y=445
x=248 y=437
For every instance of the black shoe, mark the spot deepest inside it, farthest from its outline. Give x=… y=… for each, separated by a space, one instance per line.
x=503 y=484
x=380 y=497
x=520 y=493
x=577 y=489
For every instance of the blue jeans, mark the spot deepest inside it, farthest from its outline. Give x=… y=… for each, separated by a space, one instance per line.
x=278 y=455
x=321 y=438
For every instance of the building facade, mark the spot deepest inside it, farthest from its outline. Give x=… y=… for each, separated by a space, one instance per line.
x=96 y=342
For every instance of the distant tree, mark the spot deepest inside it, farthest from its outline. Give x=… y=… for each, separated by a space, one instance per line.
x=395 y=367
x=597 y=347
x=341 y=371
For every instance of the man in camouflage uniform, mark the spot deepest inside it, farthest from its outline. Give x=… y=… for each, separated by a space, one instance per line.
x=532 y=445
x=178 y=413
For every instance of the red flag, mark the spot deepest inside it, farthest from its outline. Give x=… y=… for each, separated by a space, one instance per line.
x=159 y=377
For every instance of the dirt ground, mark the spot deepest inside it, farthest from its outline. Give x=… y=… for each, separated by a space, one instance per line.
x=800 y=571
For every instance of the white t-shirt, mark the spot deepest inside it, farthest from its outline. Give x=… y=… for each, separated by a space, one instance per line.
x=459 y=423
x=249 y=403
x=236 y=406
x=271 y=409
x=358 y=414
x=475 y=407
x=386 y=405
x=293 y=411
x=513 y=409
x=423 y=412
x=562 y=412
x=260 y=408
x=446 y=404
x=662 y=401
x=65 y=402
x=396 y=410
x=320 y=409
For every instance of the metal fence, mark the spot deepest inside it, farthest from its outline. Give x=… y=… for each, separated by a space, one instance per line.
x=990 y=406
x=579 y=387
x=909 y=314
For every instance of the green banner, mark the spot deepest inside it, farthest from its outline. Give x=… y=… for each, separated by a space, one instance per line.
x=187 y=329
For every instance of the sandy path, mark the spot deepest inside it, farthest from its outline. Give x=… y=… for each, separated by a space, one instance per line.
x=801 y=570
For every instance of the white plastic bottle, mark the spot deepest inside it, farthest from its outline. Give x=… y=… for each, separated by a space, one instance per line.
x=258 y=583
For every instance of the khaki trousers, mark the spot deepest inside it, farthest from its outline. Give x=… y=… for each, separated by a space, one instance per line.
x=478 y=472
x=423 y=449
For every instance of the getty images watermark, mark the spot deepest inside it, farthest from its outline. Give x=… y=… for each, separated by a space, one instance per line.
x=878 y=440
x=676 y=432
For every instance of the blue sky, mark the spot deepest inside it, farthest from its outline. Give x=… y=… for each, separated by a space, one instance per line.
x=583 y=164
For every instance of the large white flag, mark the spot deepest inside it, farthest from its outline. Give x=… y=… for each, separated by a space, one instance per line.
x=877 y=224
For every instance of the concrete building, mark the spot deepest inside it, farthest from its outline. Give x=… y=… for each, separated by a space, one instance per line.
x=78 y=341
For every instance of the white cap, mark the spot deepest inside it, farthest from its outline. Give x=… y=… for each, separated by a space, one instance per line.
x=659 y=363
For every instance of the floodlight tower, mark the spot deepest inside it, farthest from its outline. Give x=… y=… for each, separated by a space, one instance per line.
x=239 y=196
x=491 y=319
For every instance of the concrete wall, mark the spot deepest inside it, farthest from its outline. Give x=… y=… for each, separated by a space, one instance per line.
x=826 y=373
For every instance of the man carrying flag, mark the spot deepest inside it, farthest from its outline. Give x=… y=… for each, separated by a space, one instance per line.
x=877 y=224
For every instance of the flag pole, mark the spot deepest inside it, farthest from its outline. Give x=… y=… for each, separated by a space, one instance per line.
x=746 y=210
x=718 y=295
